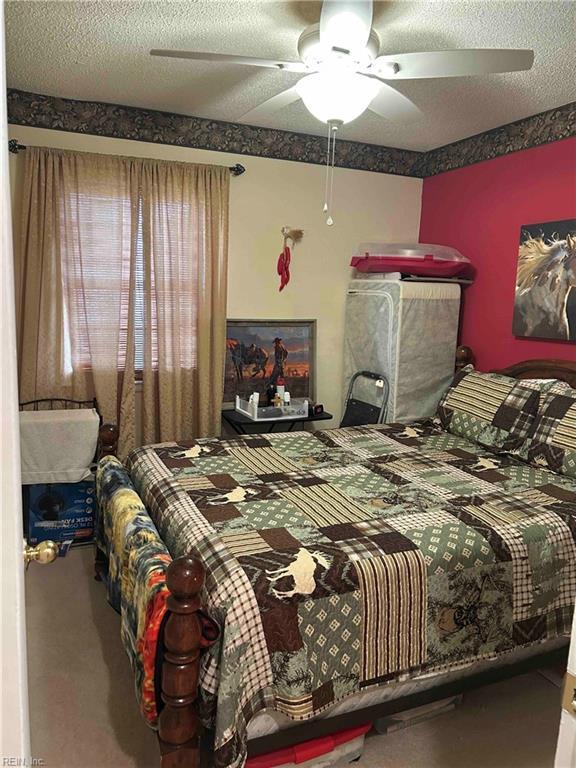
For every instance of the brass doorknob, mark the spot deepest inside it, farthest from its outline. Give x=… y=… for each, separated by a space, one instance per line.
x=569 y=693
x=44 y=553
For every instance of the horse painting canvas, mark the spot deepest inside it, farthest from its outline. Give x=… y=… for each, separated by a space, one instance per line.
x=545 y=303
x=259 y=352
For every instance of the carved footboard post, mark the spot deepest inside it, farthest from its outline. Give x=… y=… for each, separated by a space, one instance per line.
x=107 y=440
x=178 y=722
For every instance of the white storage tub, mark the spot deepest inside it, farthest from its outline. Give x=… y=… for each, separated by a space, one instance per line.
x=298 y=409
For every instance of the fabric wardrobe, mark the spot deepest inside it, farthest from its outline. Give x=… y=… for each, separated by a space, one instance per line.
x=406 y=331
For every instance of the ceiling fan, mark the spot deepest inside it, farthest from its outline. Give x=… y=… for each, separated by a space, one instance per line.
x=344 y=74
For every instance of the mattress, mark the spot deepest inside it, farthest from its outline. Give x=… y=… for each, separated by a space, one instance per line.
x=342 y=561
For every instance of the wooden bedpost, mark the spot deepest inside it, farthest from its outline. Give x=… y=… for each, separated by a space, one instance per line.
x=107 y=440
x=464 y=356
x=179 y=725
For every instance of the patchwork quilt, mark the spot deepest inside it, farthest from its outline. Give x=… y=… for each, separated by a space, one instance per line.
x=348 y=558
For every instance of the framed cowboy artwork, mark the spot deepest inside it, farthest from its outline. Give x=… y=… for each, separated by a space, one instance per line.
x=259 y=352
x=545 y=302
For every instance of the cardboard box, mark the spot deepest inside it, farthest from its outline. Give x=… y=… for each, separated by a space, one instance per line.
x=59 y=511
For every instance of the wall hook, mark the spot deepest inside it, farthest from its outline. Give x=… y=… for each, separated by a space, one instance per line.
x=295 y=235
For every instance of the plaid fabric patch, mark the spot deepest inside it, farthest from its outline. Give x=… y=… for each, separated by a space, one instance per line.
x=553 y=566
x=553 y=442
x=496 y=509
x=361 y=548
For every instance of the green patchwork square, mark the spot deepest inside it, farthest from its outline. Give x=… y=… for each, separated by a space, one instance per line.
x=569 y=464
x=454 y=482
x=271 y=513
x=375 y=447
x=467 y=426
x=368 y=485
x=328 y=457
x=223 y=464
x=451 y=547
x=470 y=612
x=329 y=630
x=293 y=445
x=522 y=477
x=446 y=441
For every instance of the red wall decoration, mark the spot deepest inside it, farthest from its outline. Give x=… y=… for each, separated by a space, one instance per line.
x=479 y=210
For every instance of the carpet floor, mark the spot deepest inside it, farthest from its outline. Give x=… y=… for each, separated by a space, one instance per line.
x=83 y=710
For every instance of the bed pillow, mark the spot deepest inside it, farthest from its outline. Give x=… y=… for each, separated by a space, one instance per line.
x=552 y=442
x=490 y=409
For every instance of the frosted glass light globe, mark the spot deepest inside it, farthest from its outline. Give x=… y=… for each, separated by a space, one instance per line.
x=341 y=96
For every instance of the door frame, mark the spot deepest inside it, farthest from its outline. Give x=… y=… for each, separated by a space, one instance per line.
x=15 y=734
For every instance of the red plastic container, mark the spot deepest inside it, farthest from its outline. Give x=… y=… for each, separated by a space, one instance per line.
x=421 y=259
x=307 y=750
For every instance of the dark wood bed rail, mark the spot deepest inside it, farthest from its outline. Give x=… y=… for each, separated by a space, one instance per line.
x=179 y=725
x=565 y=370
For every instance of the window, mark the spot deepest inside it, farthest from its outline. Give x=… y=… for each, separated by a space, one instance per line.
x=104 y=253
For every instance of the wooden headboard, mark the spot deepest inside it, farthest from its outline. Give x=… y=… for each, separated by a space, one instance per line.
x=565 y=370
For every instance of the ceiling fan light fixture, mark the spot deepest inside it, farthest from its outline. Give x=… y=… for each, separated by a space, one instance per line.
x=314 y=53
x=336 y=96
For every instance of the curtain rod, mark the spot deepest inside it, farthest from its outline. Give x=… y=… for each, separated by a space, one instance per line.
x=14 y=146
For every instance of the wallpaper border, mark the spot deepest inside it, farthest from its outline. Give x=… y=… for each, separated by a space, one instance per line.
x=545 y=127
x=123 y=122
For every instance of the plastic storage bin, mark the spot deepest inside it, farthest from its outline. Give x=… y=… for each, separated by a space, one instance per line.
x=421 y=259
x=325 y=752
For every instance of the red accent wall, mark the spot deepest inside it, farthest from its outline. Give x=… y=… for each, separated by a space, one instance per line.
x=479 y=210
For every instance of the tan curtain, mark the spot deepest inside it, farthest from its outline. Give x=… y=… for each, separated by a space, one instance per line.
x=185 y=226
x=124 y=260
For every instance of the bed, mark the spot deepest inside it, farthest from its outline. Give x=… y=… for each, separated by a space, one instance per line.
x=325 y=578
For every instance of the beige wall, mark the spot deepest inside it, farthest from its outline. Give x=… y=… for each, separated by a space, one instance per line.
x=270 y=195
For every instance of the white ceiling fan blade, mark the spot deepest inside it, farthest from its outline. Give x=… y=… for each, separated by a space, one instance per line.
x=270 y=106
x=226 y=58
x=452 y=63
x=392 y=105
x=345 y=24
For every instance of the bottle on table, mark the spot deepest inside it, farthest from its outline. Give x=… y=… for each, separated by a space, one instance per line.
x=281 y=387
x=270 y=394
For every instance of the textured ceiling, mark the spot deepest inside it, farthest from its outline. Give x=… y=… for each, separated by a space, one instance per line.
x=99 y=51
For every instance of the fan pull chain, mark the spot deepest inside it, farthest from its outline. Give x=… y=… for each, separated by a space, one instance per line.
x=326 y=185
x=333 y=126
x=330 y=220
